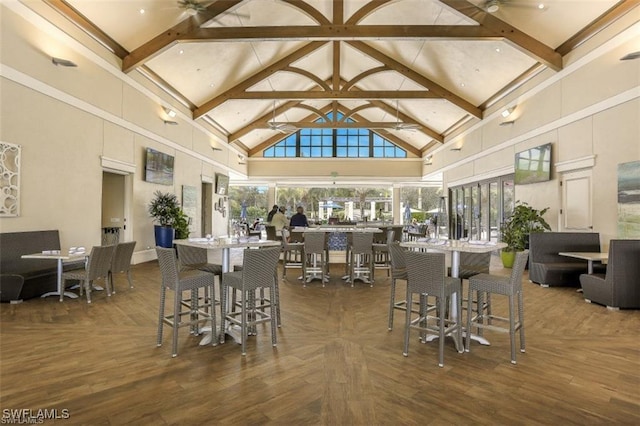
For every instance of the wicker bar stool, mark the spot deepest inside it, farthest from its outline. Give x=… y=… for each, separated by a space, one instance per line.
x=259 y=271
x=511 y=287
x=426 y=277
x=179 y=281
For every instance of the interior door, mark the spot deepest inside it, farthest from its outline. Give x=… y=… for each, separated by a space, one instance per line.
x=576 y=211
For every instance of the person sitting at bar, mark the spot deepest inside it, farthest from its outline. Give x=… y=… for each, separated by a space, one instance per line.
x=299 y=219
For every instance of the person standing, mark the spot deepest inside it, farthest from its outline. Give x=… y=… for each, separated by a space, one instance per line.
x=299 y=219
x=273 y=211
x=279 y=220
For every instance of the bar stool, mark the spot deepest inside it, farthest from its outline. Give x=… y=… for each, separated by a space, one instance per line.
x=179 y=281
x=314 y=262
x=361 y=260
x=426 y=277
x=511 y=287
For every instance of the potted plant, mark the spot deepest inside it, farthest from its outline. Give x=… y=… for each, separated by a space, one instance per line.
x=516 y=229
x=164 y=209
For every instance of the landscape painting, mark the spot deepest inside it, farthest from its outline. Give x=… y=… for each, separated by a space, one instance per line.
x=629 y=200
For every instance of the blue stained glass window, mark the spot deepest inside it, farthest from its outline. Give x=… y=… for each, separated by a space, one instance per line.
x=343 y=143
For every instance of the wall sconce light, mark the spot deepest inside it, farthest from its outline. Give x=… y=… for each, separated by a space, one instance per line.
x=215 y=148
x=241 y=159
x=459 y=148
x=63 y=62
x=171 y=113
x=507 y=112
x=632 y=55
x=507 y=123
x=428 y=160
x=171 y=123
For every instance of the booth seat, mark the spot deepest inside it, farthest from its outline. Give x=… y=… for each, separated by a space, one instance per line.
x=548 y=268
x=27 y=278
x=619 y=287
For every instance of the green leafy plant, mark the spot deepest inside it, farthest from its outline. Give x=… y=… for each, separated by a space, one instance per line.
x=181 y=225
x=164 y=208
x=524 y=220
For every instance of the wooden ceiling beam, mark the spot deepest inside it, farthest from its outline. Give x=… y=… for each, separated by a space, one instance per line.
x=334 y=32
x=335 y=94
x=434 y=88
x=525 y=43
x=266 y=72
x=166 y=39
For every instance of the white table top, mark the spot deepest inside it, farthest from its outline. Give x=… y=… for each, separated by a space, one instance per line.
x=592 y=256
x=455 y=245
x=56 y=254
x=226 y=242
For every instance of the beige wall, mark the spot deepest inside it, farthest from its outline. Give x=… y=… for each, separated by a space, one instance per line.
x=68 y=120
x=594 y=111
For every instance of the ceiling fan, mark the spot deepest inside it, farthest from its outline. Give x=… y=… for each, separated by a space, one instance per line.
x=404 y=126
x=193 y=7
x=279 y=126
x=492 y=6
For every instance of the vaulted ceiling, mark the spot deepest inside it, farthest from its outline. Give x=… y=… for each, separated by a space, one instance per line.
x=238 y=65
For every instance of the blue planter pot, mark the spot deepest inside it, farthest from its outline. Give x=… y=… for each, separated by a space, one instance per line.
x=164 y=236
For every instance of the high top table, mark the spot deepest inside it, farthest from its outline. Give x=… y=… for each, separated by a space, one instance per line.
x=455 y=247
x=225 y=244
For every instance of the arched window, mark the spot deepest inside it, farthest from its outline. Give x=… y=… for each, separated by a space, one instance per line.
x=341 y=143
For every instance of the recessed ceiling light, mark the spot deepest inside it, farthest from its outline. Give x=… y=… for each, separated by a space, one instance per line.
x=141 y=11
x=498 y=49
x=181 y=51
x=461 y=84
x=541 y=6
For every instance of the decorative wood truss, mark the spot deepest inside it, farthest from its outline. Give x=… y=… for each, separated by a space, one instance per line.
x=338 y=32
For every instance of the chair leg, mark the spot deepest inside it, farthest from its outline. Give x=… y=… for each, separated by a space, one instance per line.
x=441 y=322
x=244 y=313
x=212 y=312
x=176 y=320
x=467 y=340
x=129 y=279
x=163 y=293
x=512 y=331
x=521 y=320
x=224 y=293
x=407 y=324
x=274 y=340
x=392 y=303
x=87 y=288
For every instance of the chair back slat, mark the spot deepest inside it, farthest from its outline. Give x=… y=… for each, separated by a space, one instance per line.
x=188 y=255
x=397 y=256
x=259 y=266
x=121 y=261
x=168 y=266
x=517 y=271
x=425 y=272
x=314 y=242
x=99 y=262
x=362 y=243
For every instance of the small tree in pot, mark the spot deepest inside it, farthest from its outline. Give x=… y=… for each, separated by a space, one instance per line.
x=516 y=229
x=165 y=210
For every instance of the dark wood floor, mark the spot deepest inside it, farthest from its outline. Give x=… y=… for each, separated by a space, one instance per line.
x=335 y=363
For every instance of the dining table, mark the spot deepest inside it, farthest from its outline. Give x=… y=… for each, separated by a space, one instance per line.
x=225 y=244
x=455 y=247
x=60 y=256
x=590 y=257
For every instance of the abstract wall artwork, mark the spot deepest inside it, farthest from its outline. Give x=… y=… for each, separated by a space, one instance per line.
x=629 y=200
x=9 y=179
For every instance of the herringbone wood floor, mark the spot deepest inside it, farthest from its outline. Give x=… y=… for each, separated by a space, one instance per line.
x=335 y=363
